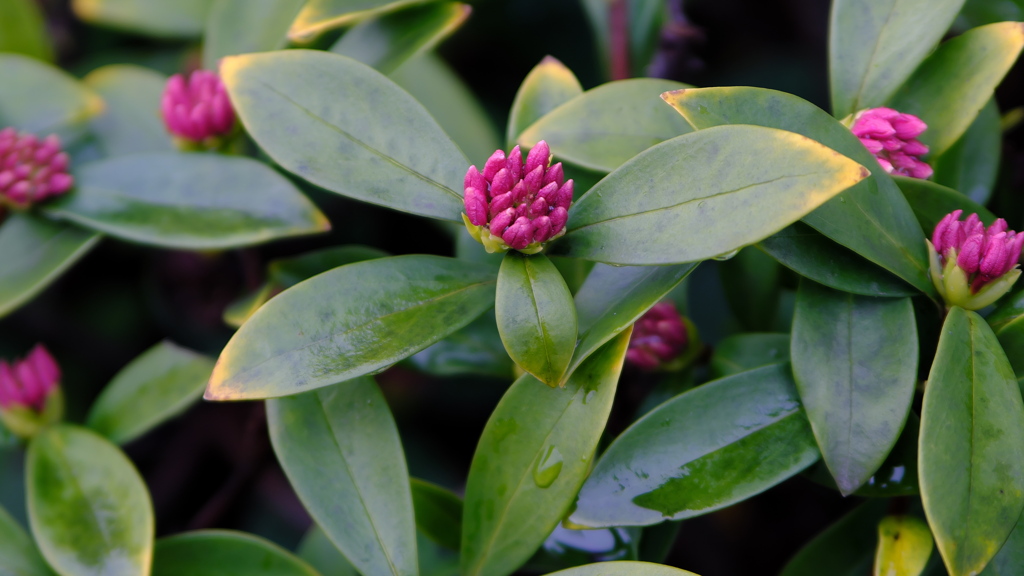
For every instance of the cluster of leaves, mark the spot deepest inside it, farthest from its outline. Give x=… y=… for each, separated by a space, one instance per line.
x=667 y=176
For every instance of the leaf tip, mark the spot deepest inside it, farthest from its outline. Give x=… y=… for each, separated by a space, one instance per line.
x=673 y=95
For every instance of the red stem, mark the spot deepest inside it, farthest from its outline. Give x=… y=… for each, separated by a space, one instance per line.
x=618 y=23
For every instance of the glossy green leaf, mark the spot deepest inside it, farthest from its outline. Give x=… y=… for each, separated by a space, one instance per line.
x=846 y=548
x=332 y=120
x=751 y=284
x=549 y=85
x=89 y=509
x=812 y=255
x=244 y=26
x=623 y=568
x=225 y=553
x=971 y=458
x=955 y=82
x=438 y=513
x=535 y=314
x=686 y=210
x=36 y=252
x=971 y=164
x=904 y=545
x=474 y=350
x=604 y=127
x=180 y=18
x=1007 y=321
x=532 y=459
x=318 y=16
x=340 y=449
x=1010 y=557
x=613 y=297
x=872 y=218
x=130 y=123
x=705 y=449
x=387 y=42
x=351 y=321
x=157 y=386
x=743 y=352
x=931 y=202
x=188 y=201
x=18 y=553
x=23 y=29
x=875 y=45
x=317 y=550
x=855 y=365
x=45 y=99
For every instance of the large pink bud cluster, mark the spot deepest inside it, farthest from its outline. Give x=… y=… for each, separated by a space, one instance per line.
x=512 y=204
x=29 y=382
x=31 y=170
x=971 y=265
x=892 y=138
x=659 y=337
x=197 y=109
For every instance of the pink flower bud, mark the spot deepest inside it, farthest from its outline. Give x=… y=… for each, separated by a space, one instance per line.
x=891 y=137
x=659 y=337
x=31 y=170
x=972 y=266
x=476 y=206
x=197 y=109
x=494 y=163
x=30 y=382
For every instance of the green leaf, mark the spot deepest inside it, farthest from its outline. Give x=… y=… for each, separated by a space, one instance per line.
x=332 y=121
x=243 y=26
x=693 y=196
x=340 y=449
x=549 y=85
x=387 y=42
x=225 y=553
x=981 y=12
x=18 y=553
x=613 y=297
x=624 y=568
x=1010 y=557
x=846 y=548
x=743 y=352
x=874 y=46
x=160 y=18
x=23 y=30
x=89 y=509
x=705 y=449
x=323 y=555
x=287 y=272
x=751 y=283
x=1007 y=320
x=157 y=386
x=904 y=545
x=532 y=459
x=45 y=99
x=971 y=164
x=36 y=252
x=188 y=201
x=438 y=513
x=931 y=202
x=957 y=80
x=475 y=350
x=872 y=218
x=812 y=255
x=855 y=365
x=354 y=320
x=971 y=458
x=604 y=127
x=536 y=317
x=318 y=16
x=130 y=123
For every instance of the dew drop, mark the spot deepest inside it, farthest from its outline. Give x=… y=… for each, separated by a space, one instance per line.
x=727 y=255
x=548 y=467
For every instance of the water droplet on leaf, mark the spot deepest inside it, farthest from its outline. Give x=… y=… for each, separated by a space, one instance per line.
x=548 y=467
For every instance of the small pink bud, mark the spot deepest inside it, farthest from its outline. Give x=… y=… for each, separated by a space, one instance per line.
x=891 y=137
x=555 y=174
x=659 y=337
x=540 y=155
x=502 y=221
x=475 y=179
x=984 y=257
x=29 y=382
x=500 y=204
x=969 y=255
x=514 y=163
x=197 y=109
x=519 y=234
x=31 y=170
x=494 y=163
x=476 y=206
x=534 y=180
x=559 y=216
x=501 y=183
x=908 y=126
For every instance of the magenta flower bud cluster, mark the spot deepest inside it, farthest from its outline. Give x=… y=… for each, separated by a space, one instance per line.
x=28 y=383
x=659 y=337
x=517 y=204
x=198 y=108
x=31 y=170
x=892 y=138
x=984 y=254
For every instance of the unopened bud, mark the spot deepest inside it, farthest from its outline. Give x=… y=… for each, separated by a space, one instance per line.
x=892 y=138
x=31 y=170
x=30 y=395
x=972 y=266
x=197 y=110
x=661 y=339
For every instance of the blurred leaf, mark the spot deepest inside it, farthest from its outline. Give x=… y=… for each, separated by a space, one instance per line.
x=872 y=218
x=1010 y=557
x=332 y=120
x=846 y=548
x=574 y=271
x=288 y=272
x=340 y=449
x=981 y=12
x=23 y=29
x=1007 y=321
x=532 y=459
x=972 y=445
x=536 y=316
x=705 y=449
x=604 y=127
x=241 y=309
x=474 y=350
x=90 y=512
x=751 y=283
x=244 y=26
x=438 y=513
x=549 y=85
x=322 y=554
x=875 y=45
x=931 y=202
x=688 y=211
x=130 y=123
x=957 y=80
x=160 y=18
x=318 y=16
x=644 y=18
x=971 y=165
x=188 y=201
x=155 y=387
x=44 y=99
x=623 y=569
x=813 y=255
x=354 y=320
x=18 y=553
x=225 y=553
x=743 y=352
x=388 y=41
x=36 y=252
x=904 y=545
x=568 y=548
